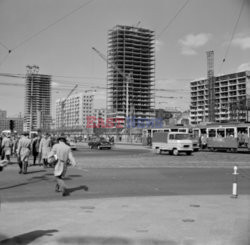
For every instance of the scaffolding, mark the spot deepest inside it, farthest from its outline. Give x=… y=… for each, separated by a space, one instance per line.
x=211 y=80
x=37 y=102
x=132 y=51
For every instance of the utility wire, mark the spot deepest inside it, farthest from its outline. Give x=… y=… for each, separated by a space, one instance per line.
x=232 y=36
x=4 y=46
x=50 y=25
x=173 y=18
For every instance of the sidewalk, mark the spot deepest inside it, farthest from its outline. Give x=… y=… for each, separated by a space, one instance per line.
x=185 y=220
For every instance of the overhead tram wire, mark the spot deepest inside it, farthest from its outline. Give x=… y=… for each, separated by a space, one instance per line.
x=66 y=84
x=52 y=24
x=42 y=30
x=4 y=46
x=233 y=33
x=173 y=18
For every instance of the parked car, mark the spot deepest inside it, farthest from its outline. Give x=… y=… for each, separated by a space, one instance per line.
x=99 y=144
x=72 y=145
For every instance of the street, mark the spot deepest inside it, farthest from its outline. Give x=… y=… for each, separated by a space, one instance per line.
x=128 y=195
x=124 y=171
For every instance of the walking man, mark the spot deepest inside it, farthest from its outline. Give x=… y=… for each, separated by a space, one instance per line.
x=44 y=149
x=35 y=142
x=6 y=147
x=23 y=152
x=61 y=154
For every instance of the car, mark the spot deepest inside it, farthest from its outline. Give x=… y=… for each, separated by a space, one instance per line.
x=72 y=145
x=99 y=144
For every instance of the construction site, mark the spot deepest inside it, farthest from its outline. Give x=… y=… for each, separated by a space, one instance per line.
x=131 y=72
x=37 y=112
x=222 y=99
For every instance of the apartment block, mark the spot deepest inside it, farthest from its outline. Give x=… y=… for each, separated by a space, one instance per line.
x=100 y=113
x=131 y=54
x=231 y=98
x=72 y=113
x=37 y=110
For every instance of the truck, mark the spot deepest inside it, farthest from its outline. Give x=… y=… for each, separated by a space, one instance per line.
x=172 y=142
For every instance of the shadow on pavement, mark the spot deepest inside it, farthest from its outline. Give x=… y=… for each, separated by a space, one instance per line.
x=113 y=241
x=37 y=171
x=13 y=186
x=82 y=187
x=26 y=238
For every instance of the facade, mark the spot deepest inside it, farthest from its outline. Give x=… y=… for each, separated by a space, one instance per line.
x=131 y=72
x=3 y=114
x=100 y=113
x=37 y=111
x=72 y=113
x=231 y=98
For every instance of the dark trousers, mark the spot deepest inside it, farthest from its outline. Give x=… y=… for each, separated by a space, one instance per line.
x=35 y=155
x=2 y=154
x=23 y=165
x=60 y=184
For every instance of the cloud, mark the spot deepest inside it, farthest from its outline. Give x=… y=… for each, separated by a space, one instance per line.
x=242 y=41
x=191 y=42
x=244 y=67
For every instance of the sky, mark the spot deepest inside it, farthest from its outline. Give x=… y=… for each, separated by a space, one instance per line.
x=58 y=36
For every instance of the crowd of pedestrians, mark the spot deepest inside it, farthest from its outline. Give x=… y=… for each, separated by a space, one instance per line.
x=46 y=151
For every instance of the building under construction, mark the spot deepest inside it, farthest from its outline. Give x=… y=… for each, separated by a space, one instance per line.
x=131 y=72
x=226 y=99
x=37 y=102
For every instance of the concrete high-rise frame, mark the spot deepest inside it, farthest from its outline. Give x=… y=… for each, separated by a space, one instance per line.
x=37 y=111
x=132 y=51
x=231 y=98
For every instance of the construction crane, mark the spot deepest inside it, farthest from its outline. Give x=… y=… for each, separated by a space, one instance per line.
x=63 y=102
x=126 y=77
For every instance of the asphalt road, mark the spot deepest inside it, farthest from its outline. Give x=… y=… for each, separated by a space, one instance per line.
x=130 y=171
x=39 y=184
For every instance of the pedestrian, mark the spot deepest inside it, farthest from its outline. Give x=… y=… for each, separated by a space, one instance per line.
x=35 y=142
x=6 y=147
x=23 y=152
x=44 y=149
x=1 y=139
x=61 y=155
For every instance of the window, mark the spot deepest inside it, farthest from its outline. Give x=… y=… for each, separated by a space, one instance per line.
x=211 y=133
x=182 y=136
x=229 y=132
x=171 y=136
x=221 y=132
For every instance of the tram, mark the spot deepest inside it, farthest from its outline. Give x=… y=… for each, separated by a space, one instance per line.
x=230 y=137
